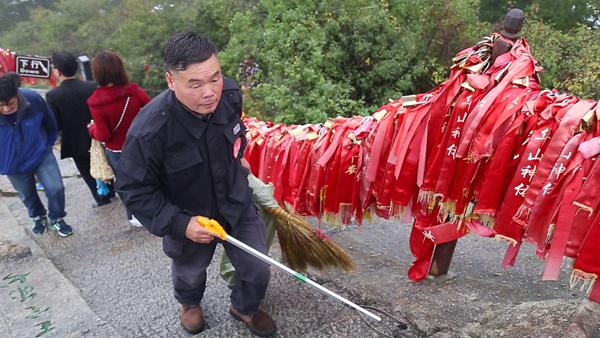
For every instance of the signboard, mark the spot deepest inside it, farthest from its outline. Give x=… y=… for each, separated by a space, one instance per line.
x=33 y=66
x=85 y=67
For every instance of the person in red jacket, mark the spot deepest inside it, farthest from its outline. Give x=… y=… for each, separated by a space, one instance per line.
x=113 y=106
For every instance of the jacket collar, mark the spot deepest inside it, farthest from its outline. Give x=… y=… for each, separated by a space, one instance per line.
x=220 y=116
x=69 y=82
x=195 y=123
x=23 y=104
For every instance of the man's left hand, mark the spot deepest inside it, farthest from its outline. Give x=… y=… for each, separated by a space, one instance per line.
x=197 y=233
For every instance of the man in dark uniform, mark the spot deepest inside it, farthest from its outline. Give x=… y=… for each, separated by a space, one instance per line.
x=182 y=159
x=69 y=103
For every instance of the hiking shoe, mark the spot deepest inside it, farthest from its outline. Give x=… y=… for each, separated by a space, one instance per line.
x=191 y=318
x=39 y=225
x=133 y=221
x=101 y=201
x=61 y=228
x=260 y=323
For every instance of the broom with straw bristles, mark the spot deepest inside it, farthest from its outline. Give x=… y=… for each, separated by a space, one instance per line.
x=301 y=245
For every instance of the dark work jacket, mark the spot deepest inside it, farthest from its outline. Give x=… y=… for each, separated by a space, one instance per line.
x=68 y=102
x=175 y=164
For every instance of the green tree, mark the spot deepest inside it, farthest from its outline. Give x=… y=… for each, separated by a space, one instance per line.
x=136 y=29
x=571 y=60
x=78 y=26
x=317 y=58
x=141 y=37
x=582 y=71
x=333 y=57
x=563 y=14
x=15 y=11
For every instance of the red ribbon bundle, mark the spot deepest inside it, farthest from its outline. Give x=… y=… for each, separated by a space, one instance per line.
x=483 y=152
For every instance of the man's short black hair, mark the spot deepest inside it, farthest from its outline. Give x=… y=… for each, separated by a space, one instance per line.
x=8 y=88
x=183 y=49
x=65 y=62
x=15 y=78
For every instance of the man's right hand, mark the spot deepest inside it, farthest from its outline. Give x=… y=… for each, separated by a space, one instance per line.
x=197 y=233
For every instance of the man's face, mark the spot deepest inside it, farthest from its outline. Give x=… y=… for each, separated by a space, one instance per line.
x=9 y=106
x=199 y=86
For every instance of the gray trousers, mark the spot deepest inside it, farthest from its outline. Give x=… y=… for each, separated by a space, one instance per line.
x=252 y=275
x=227 y=270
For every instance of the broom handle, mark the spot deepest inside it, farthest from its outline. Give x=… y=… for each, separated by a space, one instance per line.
x=298 y=275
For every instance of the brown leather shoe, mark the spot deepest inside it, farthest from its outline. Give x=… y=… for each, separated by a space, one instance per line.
x=260 y=323
x=191 y=318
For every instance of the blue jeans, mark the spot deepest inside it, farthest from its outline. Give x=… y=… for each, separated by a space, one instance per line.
x=49 y=175
x=113 y=159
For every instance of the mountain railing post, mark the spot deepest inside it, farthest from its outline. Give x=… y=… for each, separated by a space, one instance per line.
x=442 y=257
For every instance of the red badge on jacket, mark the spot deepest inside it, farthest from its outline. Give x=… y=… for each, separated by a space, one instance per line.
x=237 y=144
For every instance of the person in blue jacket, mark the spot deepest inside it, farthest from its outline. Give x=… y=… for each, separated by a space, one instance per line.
x=27 y=132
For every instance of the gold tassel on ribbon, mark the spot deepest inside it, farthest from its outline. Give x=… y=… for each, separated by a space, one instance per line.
x=368 y=213
x=550 y=233
x=583 y=207
x=487 y=220
x=397 y=210
x=585 y=279
x=425 y=197
x=447 y=211
x=512 y=241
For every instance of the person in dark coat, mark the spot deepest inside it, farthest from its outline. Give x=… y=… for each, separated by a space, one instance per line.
x=182 y=159
x=68 y=102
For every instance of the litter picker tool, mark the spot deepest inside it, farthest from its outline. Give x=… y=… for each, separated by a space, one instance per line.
x=217 y=230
